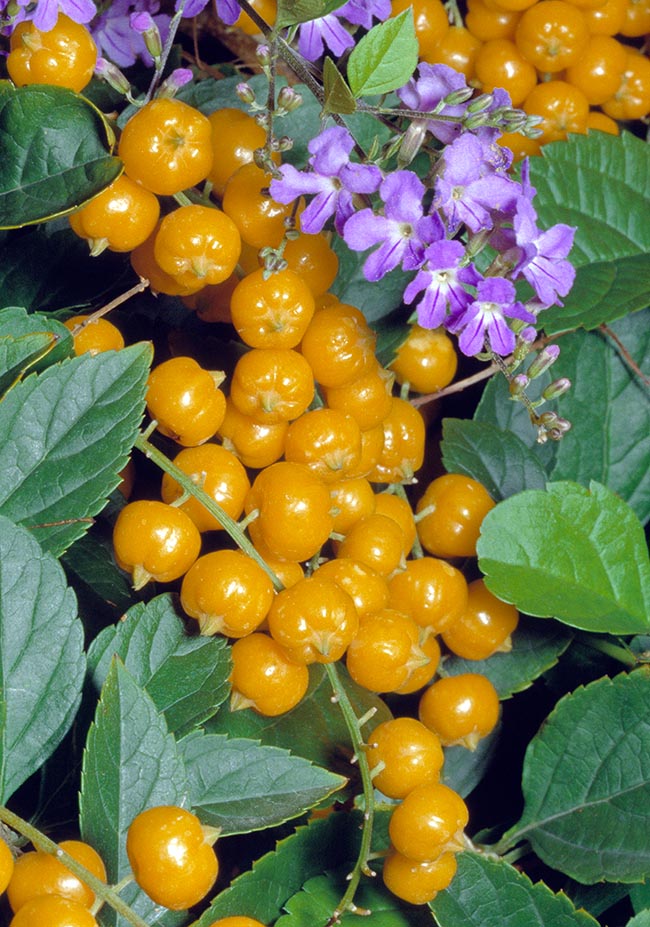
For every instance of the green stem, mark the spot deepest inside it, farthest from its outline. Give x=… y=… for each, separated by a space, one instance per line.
x=353 y=725
x=229 y=524
x=616 y=651
x=45 y=845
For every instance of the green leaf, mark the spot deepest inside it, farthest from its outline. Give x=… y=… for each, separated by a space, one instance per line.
x=29 y=343
x=609 y=411
x=55 y=153
x=338 y=96
x=319 y=897
x=536 y=647
x=243 y=786
x=464 y=769
x=311 y=730
x=352 y=287
x=66 y=435
x=642 y=919
x=575 y=554
x=586 y=781
x=640 y=897
x=41 y=656
x=491 y=893
x=498 y=459
x=385 y=58
x=598 y=898
x=185 y=676
x=130 y=763
x=262 y=891
x=291 y=12
x=600 y=184
x=103 y=590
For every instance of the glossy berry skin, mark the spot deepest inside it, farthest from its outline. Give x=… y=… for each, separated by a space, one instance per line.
x=564 y=109
x=460 y=709
x=385 y=651
x=599 y=71
x=631 y=99
x=256 y=444
x=459 y=504
x=368 y=398
x=411 y=755
x=399 y=509
x=65 y=56
x=352 y=498
x=219 y=473
x=271 y=312
x=457 y=49
x=6 y=865
x=260 y=220
x=152 y=540
x=431 y=22
x=185 y=401
x=235 y=138
x=272 y=385
x=294 y=518
x=552 y=35
x=314 y=620
x=237 y=920
x=53 y=911
x=431 y=591
x=365 y=586
x=170 y=858
x=167 y=146
x=264 y=676
x=499 y=63
x=312 y=258
x=377 y=541
x=197 y=244
x=227 y=592
x=418 y=882
x=338 y=345
x=487 y=23
x=404 y=440
x=427 y=360
x=485 y=626
x=122 y=217
x=429 y=821
x=38 y=873
x=325 y=440
x=423 y=670
x=100 y=335
x=144 y=263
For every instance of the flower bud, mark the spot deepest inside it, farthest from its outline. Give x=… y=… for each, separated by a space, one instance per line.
x=518 y=385
x=480 y=104
x=177 y=79
x=289 y=100
x=412 y=141
x=144 y=24
x=456 y=97
x=263 y=55
x=545 y=359
x=113 y=76
x=245 y=93
x=556 y=389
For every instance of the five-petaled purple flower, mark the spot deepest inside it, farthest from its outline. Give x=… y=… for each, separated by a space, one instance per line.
x=333 y=178
x=444 y=282
x=44 y=13
x=484 y=319
x=402 y=232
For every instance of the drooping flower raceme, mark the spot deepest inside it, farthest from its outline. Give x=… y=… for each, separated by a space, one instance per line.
x=334 y=180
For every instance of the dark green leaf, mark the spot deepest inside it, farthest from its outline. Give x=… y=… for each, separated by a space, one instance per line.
x=186 y=676
x=597 y=898
x=385 y=58
x=103 y=590
x=586 y=779
x=338 y=96
x=130 y=763
x=243 y=786
x=464 y=769
x=536 y=647
x=609 y=411
x=491 y=893
x=498 y=459
x=640 y=897
x=575 y=554
x=262 y=891
x=319 y=897
x=66 y=435
x=41 y=656
x=352 y=287
x=55 y=153
x=29 y=343
x=598 y=183
x=311 y=730
x=291 y=12
x=642 y=919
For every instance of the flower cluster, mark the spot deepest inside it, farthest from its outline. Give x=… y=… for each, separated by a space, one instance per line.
x=436 y=230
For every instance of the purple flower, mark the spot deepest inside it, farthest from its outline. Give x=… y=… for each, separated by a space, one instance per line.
x=485 y=318
x=325 y=31
x=362 y=12
x=443 y=281
x=334 y=180
x=402 y=232
x=44 y=14
x=471 y=189
x=191 y=8
x=424 y=93
x=117 y=40
x=228 y=11
x=543 y=255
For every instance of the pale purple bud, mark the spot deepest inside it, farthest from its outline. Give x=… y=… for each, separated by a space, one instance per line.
x=556 y=389
x=245 y=93
x=289 y=100
x=545 y=359
x=263 y=55
x=518 y=385
x=177 y=79
x=144 y=24
x=113 y=76
x=528 y=334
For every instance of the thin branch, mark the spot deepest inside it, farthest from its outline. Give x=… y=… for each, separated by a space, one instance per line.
x=625 y=354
